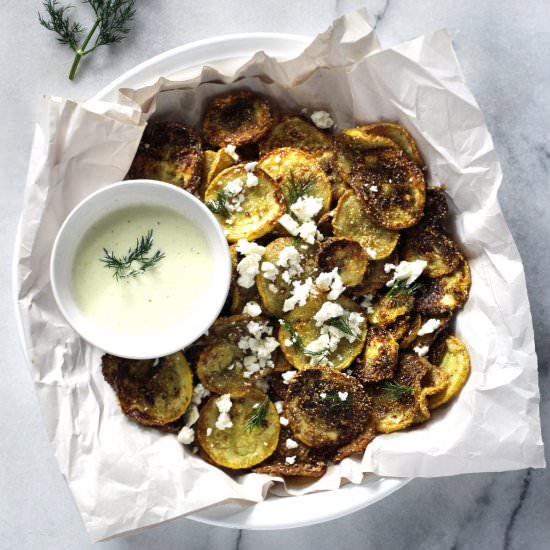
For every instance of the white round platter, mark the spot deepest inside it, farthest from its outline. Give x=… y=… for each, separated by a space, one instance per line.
x=274 y=512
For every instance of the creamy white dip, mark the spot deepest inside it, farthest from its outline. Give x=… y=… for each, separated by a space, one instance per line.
x=160 y=296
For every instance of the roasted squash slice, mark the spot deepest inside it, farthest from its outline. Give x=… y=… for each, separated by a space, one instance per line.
x=252 y=436
x=352 y=221
x=298 y=174
x=293 y=459
x=435 y=382
x=152 y=392
x=392 y=188
x=214 y=163
x=326 y=408
x=244 y=211
x=388 y=308
x=379 y=358
x=439 y=251
x=399 y=135
x=290 y=130
x=396 y=403
x=446 y=294
x=170 y=152
x=436 y=209
x=456 y=365
x=375 y=277
x=274 y=292
x=347 y=256
x=300 y=329
x=221 y=363
x=356 y=446
x=237 y=118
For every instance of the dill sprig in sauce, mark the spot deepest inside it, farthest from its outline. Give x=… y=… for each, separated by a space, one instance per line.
x=258 y=416
x=112 y=18
x=136 y=261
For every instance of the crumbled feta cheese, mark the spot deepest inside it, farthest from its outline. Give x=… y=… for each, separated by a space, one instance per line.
x=234 y=187
x=252 y=308
x=421 y=350
x=288 y=376
x=251 y=179
x=355 y=322
x=343 y=395
x=429 y=326
x=255 y=406
x=299 y=295
x=288 y=343
x=290 y=459
x=191 y=415
x=249 y=266
x=323 y=395
x=332 y=282
x=279 y=406
x=224 y=405
x=258 y=348
x=322 y=120
x=306 y=208
x=290 y=258
x=231 y=151
x=290 y=224
x=371 y=253
x=308 y=232
x=208 y=432
x=366 y=303
x=245 y=248
x=250 y=166
x=199 y=393
x=405 y=271
x=186 y=435
x=373 y=188
x=283 y=421
x=328 y=310
x=234 y=196
x=290 y=443
x=273 y=288
x=269 y=271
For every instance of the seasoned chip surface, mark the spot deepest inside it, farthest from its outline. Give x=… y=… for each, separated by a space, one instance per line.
x=319 y=416
x=237 y=118
x=379 y=358
x=245 y=443
x=170 y=152
x=152 y=392
x=347 y=256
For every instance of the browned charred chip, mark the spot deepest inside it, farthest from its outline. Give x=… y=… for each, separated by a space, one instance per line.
x=389 y=307
x=324 y=225
x=400 y=328
x=431 y=245
x=326 y=408
x=438 y=348
x=436 y=210
x=396 y=402
x=375 y=277
x=220 y=366
x=273 y=377
x=379 y=358
x=410 y=334
x=446 y=294
x=237 y=118
x=170 y=152
x=302 y=461
x=392 y=188
x=428 y=339
x=152 y=392
x=345 y=255
x=357 y=446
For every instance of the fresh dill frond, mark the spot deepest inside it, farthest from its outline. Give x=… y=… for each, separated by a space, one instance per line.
x=219 y=205
x=333 y=399
x=125 y=266
x=295 y=189
x=395 y=390
x=342 y=323
x=298 y=343
x=400 y=289
x=257 y=418
x=112 y=24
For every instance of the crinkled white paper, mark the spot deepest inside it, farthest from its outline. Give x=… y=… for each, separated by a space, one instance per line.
x=125 y=477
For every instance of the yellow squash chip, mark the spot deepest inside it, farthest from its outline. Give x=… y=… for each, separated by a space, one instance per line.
x=379 y=358
x=347 y=256
x=356 y=446
x=326 y=408
x=237 y=118
x=392 y=188
x=169 y=152
x=389 y=307
x=352 y=221
x=456 y=365
x=246 y=208
x=214 y=163
x=248 y=438
x=375 y=277
x=298 y=174
x=305 y=344
x=152 y=392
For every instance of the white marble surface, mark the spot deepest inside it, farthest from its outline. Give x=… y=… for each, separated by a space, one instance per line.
x=503 y=47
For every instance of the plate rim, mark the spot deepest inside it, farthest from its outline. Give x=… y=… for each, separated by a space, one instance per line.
x=263 y=515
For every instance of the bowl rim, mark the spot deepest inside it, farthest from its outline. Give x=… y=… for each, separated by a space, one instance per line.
x=221 y=255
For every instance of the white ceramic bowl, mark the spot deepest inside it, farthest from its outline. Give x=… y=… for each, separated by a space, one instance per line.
x=195 y=320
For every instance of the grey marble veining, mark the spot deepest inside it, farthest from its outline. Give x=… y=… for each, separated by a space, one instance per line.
x=503 y=47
